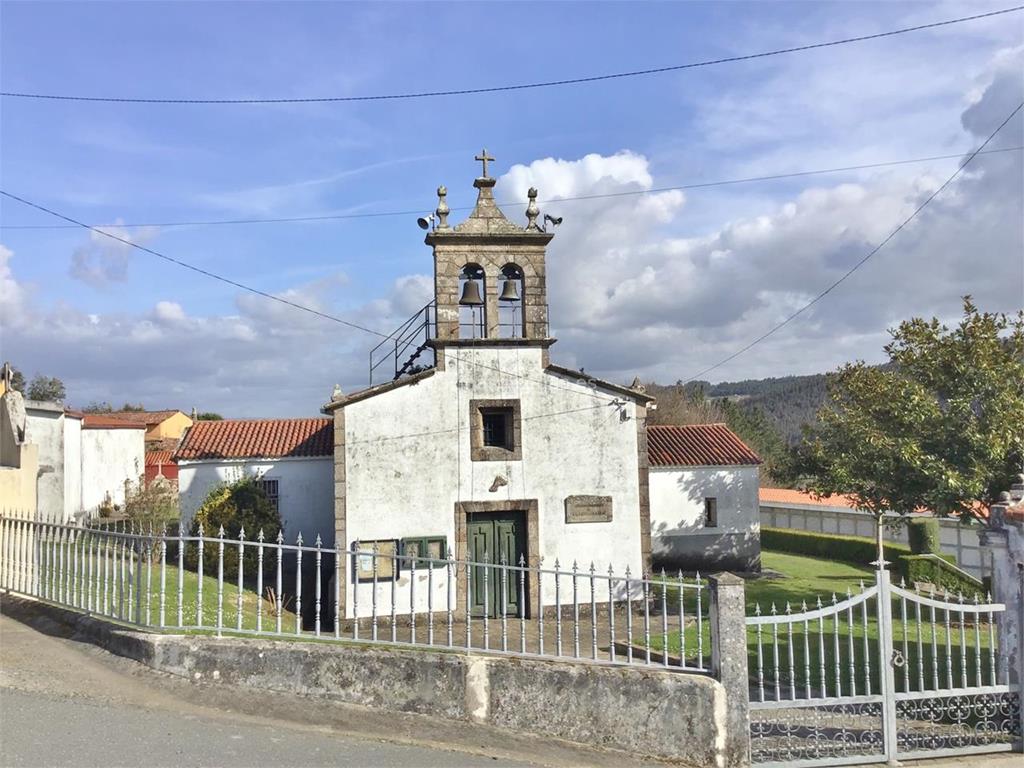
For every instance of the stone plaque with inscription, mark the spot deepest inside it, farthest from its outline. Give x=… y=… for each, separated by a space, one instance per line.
x=588 y=509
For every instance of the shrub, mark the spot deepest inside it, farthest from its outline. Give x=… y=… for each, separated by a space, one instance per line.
x=941 y=571
x=858 y=550
x=234 y=506
x=923 y=534
x=151 y=507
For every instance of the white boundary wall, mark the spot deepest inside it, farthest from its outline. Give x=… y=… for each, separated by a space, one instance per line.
x=958 y=540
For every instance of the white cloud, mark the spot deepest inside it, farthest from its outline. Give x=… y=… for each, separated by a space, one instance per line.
x=103 y=260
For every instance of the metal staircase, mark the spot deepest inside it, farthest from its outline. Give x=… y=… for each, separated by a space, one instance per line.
x=415 y=334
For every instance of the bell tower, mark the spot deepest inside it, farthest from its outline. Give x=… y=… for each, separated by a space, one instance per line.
x=489 y=274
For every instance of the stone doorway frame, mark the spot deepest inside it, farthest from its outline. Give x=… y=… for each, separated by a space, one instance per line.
x=529 y=508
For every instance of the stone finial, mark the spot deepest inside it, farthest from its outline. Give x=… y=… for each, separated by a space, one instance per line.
x=638 y=386
x=532 y=211
x=336 y=393
x=442 y=207
x=195 y=414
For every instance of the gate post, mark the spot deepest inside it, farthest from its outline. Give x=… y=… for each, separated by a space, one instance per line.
x=728 y=619
x=1004 y=539
x=886 y=679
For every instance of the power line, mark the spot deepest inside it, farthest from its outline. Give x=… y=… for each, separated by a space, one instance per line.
x=516 y=87
x=273 y=297
x=628 y=193
x=864 y=260
x=192 y=267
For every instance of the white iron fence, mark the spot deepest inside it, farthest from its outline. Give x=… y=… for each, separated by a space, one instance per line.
x=255 y=586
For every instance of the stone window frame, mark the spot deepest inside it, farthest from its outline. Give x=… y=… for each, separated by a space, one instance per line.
x=710 y=512
x=480 y=452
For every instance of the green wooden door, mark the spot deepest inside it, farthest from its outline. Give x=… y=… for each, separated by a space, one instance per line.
x=498 y=537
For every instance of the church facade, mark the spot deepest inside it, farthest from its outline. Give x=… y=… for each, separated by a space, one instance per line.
x=493 y=452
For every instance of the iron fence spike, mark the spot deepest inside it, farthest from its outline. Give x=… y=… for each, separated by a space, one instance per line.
x=241 y=533
x=280 y=536
x=298 y=539
x=220 y=533
x=318 y=541
x=259 y=536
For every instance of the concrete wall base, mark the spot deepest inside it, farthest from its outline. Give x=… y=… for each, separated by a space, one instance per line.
x=666 y=715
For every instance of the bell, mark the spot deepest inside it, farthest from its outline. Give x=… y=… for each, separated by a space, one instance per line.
x=510 y=290
x=471 y=294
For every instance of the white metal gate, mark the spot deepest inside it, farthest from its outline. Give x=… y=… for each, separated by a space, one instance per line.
x=885 y=674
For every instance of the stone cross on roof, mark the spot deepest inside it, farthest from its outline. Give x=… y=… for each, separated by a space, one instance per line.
x=484 y=158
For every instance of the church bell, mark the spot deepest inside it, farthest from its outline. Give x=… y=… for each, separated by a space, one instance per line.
x=509 y=290
x=471 y=294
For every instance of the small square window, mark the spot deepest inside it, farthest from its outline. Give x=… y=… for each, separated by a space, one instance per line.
x=497 y=426
x=710 y=512
x=496 y=430
x=271 y=490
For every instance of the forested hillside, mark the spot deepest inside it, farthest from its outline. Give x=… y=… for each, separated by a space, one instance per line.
x=787 y=402
x=767 y=414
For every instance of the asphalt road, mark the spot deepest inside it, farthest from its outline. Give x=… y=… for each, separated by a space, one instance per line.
x=68 y=703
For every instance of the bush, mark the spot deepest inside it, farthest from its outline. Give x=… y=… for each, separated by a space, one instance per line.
x=858 y=550
x=923 y=534
x=941 y=571
x=234 y=506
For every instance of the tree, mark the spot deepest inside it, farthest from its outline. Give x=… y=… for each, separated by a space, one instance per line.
x=46 y=388
x=209 y=416
x=132 y=408
x=234 y=506
x=151 y=506
x=98 y=407
x=938 y=428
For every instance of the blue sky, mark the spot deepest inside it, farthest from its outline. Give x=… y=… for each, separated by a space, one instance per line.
x=658 y=286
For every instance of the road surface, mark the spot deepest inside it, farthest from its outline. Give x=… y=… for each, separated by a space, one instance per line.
x=67 y=703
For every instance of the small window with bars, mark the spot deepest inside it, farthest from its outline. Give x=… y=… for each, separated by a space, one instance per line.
x=271 y=489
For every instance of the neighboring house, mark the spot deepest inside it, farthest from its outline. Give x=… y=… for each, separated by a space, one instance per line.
x=494 y=452
x=799 y=510
x=84 y=460
x=113 y=457
x=161 y=464
x=292 y=459
x=163 y=428
x=704 y=513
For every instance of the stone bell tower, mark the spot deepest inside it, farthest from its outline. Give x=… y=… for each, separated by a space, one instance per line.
x=489 y=274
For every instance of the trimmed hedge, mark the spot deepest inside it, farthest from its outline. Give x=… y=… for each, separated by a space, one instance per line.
x=923 y=535
x=859 y=550
x=933 y=569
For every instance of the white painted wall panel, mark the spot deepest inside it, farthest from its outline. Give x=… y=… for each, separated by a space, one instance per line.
x=305 y=485
x=574 y=442
x=109 y=458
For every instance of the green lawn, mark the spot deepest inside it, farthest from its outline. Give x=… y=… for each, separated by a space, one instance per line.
x=118 y=600
x=806 y=579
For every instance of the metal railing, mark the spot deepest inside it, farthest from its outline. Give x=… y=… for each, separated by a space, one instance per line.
x=263 y=586
x=413 y=335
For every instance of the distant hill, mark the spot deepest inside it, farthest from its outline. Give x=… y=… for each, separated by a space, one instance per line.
x=787 y=402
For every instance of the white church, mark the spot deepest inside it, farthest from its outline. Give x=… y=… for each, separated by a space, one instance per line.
x=493 y=449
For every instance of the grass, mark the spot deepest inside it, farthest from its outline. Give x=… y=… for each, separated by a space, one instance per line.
x=119 y=599
x=803 y=653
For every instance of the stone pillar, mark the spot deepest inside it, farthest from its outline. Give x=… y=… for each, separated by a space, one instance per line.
x=1004 y=540
x=729 y=663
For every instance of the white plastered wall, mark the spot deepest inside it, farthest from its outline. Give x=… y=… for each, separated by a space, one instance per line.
x=408 y=463
x=109 y=458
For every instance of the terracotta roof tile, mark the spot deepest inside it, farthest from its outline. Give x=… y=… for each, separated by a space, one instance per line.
x=102 y=421
x=143 y=418
x=156 y=458
x=697 y=445
x=257 y=438
x=791 y=496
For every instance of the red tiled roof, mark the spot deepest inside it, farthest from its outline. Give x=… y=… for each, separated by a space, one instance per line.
x=791 y=496
x=103 y=421
x=156 y=458
x=142 y=418
x=697 y=445
x=257 y=438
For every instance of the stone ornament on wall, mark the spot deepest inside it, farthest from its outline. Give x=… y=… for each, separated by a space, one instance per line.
x=588 y=509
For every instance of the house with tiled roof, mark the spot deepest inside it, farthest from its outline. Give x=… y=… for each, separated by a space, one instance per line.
x=704 y=498
x=292 y=460
x=163 y=428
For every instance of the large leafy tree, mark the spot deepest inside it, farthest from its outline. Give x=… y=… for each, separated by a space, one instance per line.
x=46 y=388
x=938 y=427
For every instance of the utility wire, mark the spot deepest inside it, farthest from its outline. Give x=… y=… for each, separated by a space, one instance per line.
x=863 y=261
x=628 y=193
x=516 y=87
x=192 y=267
x=273 y=297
